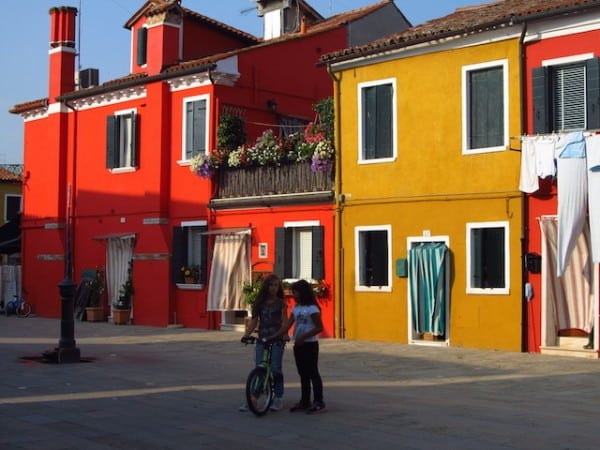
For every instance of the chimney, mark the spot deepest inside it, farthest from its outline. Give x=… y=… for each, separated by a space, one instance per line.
x=62 y=51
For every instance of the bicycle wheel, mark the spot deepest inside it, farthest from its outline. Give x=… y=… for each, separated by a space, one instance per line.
x=259 y=391
x=24 y=309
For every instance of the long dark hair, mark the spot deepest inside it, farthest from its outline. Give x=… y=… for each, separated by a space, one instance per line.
x=306 y=296
x=263 y=292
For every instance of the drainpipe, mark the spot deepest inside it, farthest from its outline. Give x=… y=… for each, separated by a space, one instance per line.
x=339 y=206
x=524 y=205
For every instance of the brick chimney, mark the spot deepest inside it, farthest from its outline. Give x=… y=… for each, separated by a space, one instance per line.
x=62 y=51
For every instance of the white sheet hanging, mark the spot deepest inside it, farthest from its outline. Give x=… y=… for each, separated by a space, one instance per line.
x=593 y=177
x=572 y=196
x=545 y=164
x=528 y=181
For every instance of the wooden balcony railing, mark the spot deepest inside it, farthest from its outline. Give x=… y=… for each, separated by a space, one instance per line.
x=272 y=180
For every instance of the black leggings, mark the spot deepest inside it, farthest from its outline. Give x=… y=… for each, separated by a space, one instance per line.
x=307 y=363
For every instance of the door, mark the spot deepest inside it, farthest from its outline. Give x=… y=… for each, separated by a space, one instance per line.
x=428 y=284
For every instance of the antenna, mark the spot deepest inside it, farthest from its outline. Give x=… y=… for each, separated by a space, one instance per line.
x=247 y=10
x=78 y=54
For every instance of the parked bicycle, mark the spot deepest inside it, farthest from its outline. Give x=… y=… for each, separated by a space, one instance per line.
x=18 y=306
x=260 y=384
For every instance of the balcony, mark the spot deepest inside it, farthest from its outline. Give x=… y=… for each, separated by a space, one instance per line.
x=272 y=185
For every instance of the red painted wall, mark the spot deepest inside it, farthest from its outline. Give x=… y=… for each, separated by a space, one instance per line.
x=544 y=202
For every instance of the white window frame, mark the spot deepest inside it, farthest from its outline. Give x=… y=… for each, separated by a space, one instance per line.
x=394 y=100
x=126 y=155
x=194 y=257
x=299 y=226
x=489 y=291
x=466 y=125
x=203 y=97
x=6 y=197
x=357 y=261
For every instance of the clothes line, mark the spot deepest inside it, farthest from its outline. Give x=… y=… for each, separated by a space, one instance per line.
x=555 y=133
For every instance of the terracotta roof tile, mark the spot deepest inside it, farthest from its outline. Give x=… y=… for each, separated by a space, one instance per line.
x=467 y=20
x=11 y=172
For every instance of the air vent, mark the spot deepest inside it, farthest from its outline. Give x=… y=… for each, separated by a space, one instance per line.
x=88 y=78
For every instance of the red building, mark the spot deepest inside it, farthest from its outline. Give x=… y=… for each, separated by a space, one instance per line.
x=107 y=179
x=562 y=94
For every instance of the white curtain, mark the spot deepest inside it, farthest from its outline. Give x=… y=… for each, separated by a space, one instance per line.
x=10 y=283
x=119 y=252
x=569 y=299
x=230 y=269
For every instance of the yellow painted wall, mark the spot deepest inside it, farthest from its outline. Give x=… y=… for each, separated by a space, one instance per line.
x=431 y=186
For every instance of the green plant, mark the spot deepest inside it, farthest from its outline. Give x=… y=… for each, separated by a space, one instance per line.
x=97 y=287
x=230 y=133
x=125 y=291
x=250 y=290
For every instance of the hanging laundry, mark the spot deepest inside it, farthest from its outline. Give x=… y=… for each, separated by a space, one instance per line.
x=593 y=177
x=545 y=156
x=572 y=195
x=528 y=181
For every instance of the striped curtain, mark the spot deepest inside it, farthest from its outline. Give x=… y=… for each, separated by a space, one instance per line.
x=229 y=270
x=427 y=280
x=569 y=298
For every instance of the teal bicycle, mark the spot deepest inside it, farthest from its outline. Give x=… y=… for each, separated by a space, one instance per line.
x=260 y=384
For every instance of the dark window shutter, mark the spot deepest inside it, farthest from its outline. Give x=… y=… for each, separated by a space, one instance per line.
x=592 y=69
x=279 y=266
x=142 y=45
x=112 y=143
x=204 y=260
x=541 y=100
x=135 y=123
x=179 y=257
x=317 y=253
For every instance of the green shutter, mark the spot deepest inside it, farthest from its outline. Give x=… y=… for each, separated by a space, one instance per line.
x=279 y=266
x=317 y=253
x=592 y=67
x=142 y=45
x=541 y=100
x=135 y=121
x=112 y=142
x=179 y=257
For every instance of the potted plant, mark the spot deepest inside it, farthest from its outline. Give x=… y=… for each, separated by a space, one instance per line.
x=191 y=274
x=94 y=310
x=122 y=307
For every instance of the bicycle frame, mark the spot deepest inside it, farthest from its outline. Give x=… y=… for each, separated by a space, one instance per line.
x=260 y=388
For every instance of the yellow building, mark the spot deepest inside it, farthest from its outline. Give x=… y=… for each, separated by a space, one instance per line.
x=430 y=217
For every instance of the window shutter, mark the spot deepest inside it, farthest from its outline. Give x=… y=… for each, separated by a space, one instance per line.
x=112 y=128
x=142 y=45
x=592 y=67
x=178 y=258
x=280 y=252
x=135 y=123
x=317 y=253
x=541 y=99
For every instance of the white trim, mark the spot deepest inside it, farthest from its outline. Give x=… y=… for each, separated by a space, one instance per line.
x=465 y=106
x=184 y=125
x=302 y=223
x=193 y=223
x=562 y=26
x=357 y=231
x=394 y=100
x=488 y=291
x=567 y=59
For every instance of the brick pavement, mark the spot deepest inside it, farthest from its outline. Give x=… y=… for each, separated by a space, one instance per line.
x=176 y=388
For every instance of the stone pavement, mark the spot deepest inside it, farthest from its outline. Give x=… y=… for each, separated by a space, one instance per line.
x=176 y=388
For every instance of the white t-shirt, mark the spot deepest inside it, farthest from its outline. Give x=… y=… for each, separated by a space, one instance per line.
x=303 y=320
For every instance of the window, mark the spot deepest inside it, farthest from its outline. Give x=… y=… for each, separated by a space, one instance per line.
x=373 y=258
x=487 y=258
x=485 y=107
x=566 y=93
x=299 y=251
x=12 y=206
x=121 y=145
x=377 y=116
x=195 y=126
x=190 y=248
x=142 y=46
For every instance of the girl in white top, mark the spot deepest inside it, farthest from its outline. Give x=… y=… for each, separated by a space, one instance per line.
x=306 y=316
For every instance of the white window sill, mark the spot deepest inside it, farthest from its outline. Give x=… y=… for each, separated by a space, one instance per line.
x=189 y=287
